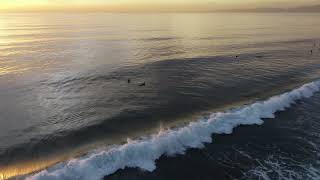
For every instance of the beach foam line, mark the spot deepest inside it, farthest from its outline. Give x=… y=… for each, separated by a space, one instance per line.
x=144 y=152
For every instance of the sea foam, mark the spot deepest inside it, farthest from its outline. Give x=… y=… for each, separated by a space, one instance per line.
x=143 y=153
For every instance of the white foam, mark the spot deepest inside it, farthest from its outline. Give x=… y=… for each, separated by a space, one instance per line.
x=275 y=168
x=144 y=153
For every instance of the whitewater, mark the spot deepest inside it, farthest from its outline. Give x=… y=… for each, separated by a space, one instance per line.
x=144 y=152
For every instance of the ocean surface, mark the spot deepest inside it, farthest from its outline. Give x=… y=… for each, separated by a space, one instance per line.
x=160 y=96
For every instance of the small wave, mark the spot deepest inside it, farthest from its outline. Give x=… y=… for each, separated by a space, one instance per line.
x=160 y=39
x=144 y=152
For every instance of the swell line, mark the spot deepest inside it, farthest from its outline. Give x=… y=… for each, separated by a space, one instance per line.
x=144 y=152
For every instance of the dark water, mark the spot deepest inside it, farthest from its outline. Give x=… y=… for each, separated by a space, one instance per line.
x=64 y=89
x=286 y=147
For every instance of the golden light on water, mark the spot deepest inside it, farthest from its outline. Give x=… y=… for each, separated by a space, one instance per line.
x=10 y=70
x=21 y=168
x=25 y=168
x=12 y=36
x=19 y=55
x=142 y=5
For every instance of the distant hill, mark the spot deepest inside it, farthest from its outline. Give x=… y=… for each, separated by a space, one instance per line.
x=304 y=9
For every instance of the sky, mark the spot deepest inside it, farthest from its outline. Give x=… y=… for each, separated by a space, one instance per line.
x=145 y=5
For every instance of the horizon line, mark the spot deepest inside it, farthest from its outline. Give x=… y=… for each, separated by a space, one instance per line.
x=164 y=9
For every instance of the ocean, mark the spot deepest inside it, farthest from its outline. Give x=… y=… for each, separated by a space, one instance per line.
x=160 y=96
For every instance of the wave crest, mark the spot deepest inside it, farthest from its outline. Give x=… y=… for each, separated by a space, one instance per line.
x=143 y=153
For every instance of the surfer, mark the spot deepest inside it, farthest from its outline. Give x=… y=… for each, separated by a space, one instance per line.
x=129 y=81
x=142 y=84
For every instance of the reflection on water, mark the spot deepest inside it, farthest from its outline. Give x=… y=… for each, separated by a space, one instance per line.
x=63 y=77
x=8 y=70
x=24 y=168
x=98 y=40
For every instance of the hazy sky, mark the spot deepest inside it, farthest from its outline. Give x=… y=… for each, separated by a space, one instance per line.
x=145 y=5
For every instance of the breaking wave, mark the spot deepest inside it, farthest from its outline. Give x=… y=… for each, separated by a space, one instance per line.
x=144 y=152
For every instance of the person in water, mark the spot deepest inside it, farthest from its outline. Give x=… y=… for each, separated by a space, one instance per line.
x=142 y=84
x=129 y=81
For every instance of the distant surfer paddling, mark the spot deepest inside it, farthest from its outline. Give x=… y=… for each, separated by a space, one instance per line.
x=142 y=84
